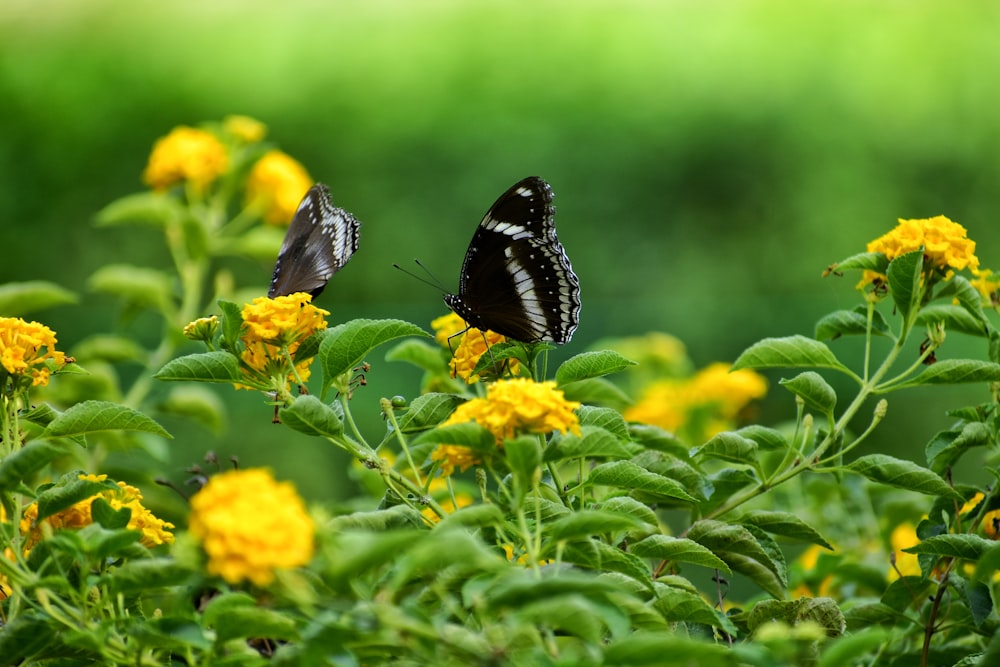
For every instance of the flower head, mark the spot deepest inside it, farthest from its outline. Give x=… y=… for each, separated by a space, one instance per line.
x=988 y=285
x=26 y=350
x=946 y=245
x=714 y=394
x=276 y=184
x=186 y=154
x=472 y=345
x=246 y=129
x=155 y=531
x=251 y=525
x=203 y=328
x=270 y=325
x=511 y=407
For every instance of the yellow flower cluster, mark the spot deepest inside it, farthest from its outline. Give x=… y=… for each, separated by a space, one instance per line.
x=714 y=390
x=946 y=245
x=251 y=525
x=988 y=285
x=154 y=530
x=276 y=185
x=270 y=324
x=186 y=154
x=25 y=347
x=246 y=129
x=511 y=407
x=472 y=345
x=202 y=329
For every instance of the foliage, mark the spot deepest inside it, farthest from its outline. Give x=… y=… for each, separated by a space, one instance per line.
x=513 y=520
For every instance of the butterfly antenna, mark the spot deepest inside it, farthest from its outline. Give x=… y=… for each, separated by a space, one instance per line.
x=431 y=280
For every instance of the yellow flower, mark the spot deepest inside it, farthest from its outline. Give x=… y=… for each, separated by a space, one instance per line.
x=472 y=345
x=276 y=184
x=246 y=129
x=25 y=349
x=511 y=407
x=904 y=536
x=251 y=525
x=714 y=393
x=154 y=531
x=203 y=328
x=991 y=524
x=946 y=245
x=454 y=456
x=270 y=324
x=988 y=285
x=186 y=154
x=447 y=326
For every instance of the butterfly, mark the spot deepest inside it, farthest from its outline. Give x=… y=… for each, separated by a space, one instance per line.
x=516 y=278
x=320 y=240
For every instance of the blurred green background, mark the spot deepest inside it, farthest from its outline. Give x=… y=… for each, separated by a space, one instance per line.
x=709 y=159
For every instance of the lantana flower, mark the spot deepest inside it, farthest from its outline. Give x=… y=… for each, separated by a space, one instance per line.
x=511 y=407
x=270 y=326
x=155 y=531
x=186 y=154
x=947 y=247
x=472 y=345
x=276 y=185
x=714 y=393
x=27 y=350
x=246 y=129
x=251 y=525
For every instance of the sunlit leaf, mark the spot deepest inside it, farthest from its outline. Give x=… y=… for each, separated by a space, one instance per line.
x=345 y=346
x=851 y=323
x=215 y=366
x=904 y=281
x=93 y=416
x=789 y=352
x=902 y=474
x=817 y=394
x=677 y=549
x=307 y=414
x=956 y=371
x=593 y=442
x=627 y=475
x=20 y=298
x=591 y=365
x=785 y=524
x=428 y=410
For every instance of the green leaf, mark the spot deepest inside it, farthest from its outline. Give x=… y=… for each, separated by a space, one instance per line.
x=307 y=414
x=427 y=411
x=853 y=648
x=741 y=550
x=658 y=439
x=250 y=622
x=823 y=611
x=585 y=523
x=394 y=518
x=679 y=550
x=139 y=576
x=870 y=261
x=606 y=418
x=107 y=516
x=902 y=474
x=627 y=475
x=106 y=347
x=146 y=208
x=26 y=635
x=93 y=416
x=596 y=391
x=594 y=442
x=345 y=346
x=215 y=366
x=591 y=365
x=788 y=352
x=955 y=371
x=678 y=605
x=524 y=457
x=232 y=324
x=817 y=394
x=418 y=353
x=872 y=613
x=728 y=446
x=851 y=323
x=955 y=318
x=631 y=507
x=668 y=648
x=946 y=447
x=21 y=298
x=766 y=438
x=473 y=516
x=989 y=563
x=785 y=524
x=137 y=285
x=60 y=496
x=904 y=281
x=469 y=434
x=978 y=598
x=968 y=298
x=964 y=546
x=24 y=462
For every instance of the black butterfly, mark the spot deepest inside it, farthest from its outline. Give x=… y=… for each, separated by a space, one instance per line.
x=319 y=242
x=516 y=279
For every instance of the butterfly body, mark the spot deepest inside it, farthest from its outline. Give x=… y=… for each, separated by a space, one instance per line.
x=516 y=278
x=320 y=240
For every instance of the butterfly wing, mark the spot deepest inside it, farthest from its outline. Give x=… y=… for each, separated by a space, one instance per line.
x=319 y=242
x=516 y=278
